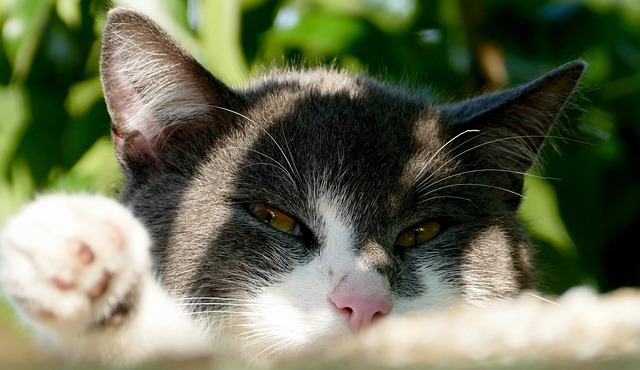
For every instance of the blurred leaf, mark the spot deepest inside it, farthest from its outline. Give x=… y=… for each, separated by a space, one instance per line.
x=627 y=85
x=318 y=34
x=629 y=9
x=388 y=15
x=17 y=191
x=83 y=95
x=69 y=12
x=540 y=212
x=393 y=15
x=219 y=30
x=12 y=126
x=22 y=31
x=556 y=257
x=97 y=171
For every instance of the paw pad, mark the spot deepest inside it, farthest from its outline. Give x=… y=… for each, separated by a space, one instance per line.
x=83 y=252
x=100 y=287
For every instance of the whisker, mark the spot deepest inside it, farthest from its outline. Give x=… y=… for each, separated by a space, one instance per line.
x=483 y=144
x=448 y=196
x=275 y=163
x=272 y=348
x=254 y=332
x=259 y=338
x=422 y=188
x=211 y=298
x=207 y=297
x=196 y=313
x=473 y=184
x=295 y=168
x=543 y=299
x=438 y=151
x=249 y=325
x=263 y=130
x=219 y=304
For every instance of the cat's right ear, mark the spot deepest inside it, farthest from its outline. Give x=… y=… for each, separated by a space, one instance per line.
x=163 y=103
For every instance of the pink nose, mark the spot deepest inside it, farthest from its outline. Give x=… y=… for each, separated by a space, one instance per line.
x=361 y=311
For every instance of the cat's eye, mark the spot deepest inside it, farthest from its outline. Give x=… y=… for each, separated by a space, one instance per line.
x=418 y=234
x=276 y=219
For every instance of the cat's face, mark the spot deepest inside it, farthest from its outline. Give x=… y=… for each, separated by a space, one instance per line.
x=310 y=204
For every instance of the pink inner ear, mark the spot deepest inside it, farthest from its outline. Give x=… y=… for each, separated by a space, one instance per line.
x=126 y=102
x=133 y=128
x=134 y=144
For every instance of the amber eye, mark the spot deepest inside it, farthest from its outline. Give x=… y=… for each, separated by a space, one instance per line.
x=418 y=234
x=276 y=219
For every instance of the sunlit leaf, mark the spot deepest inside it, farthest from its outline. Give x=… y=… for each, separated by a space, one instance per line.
x=69 y=12
x=540 y=212
x=218 y=26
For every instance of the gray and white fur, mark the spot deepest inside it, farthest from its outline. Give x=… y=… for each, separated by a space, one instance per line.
x=182 y=265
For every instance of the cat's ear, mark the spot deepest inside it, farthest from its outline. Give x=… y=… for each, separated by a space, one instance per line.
x=161 y=100
x=504 y=131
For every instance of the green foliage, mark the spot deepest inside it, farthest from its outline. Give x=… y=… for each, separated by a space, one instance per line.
x=54 y=126
x=51 y=101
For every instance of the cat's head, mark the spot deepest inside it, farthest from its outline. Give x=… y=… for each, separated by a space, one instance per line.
x=309 y=203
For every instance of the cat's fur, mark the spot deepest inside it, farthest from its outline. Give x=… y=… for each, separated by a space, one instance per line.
x=353 y=160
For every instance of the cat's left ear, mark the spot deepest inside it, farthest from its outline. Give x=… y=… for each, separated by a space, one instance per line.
x=504 y=131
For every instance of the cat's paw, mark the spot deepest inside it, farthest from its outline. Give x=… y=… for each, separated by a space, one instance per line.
x=70 y=262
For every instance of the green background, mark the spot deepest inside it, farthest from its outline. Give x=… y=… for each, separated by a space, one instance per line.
x=54 y=128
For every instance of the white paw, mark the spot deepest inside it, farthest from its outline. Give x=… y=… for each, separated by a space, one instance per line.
x=69 y=262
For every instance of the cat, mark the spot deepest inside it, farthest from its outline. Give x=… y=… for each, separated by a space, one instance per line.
x=268 y=221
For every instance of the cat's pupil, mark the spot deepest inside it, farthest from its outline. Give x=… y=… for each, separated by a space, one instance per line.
x=269 y=216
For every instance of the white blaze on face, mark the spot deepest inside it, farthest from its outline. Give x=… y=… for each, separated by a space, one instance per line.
x=337 y=238
x=297 y=311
